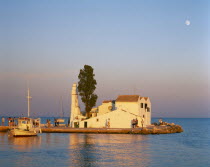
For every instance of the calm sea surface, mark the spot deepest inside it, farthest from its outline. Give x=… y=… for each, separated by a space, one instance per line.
x=190 y=148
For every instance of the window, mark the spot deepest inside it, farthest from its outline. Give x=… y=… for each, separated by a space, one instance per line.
x=145 y=105
x=97 y=120
x=142 y=105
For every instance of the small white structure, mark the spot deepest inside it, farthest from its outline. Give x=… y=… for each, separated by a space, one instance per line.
x=75 y=109
x=137 y=105
x=119 y=113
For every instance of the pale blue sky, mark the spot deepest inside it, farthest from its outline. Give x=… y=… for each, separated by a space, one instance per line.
x=136 y=47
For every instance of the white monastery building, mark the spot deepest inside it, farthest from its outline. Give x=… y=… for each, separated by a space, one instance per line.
x=118 y=113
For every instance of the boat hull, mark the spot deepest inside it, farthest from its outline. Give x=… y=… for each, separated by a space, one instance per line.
x=22 y=133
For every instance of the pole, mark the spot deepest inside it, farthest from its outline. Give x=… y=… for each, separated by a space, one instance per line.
x=62 y=113
x=28 y=97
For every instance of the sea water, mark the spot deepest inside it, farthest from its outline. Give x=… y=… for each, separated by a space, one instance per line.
x=190 y=148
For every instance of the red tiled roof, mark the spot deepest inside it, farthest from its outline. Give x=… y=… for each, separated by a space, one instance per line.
x=107 y=101
x=144 y=98
x=127 y=98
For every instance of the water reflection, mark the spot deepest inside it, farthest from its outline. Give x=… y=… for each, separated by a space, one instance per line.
x=78 y=149
x=68 y=149
x=103 y=149
x=3 y=138
x=25 y=143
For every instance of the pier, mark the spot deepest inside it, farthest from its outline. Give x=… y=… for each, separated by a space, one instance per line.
x=4 y=128
x=163 y=129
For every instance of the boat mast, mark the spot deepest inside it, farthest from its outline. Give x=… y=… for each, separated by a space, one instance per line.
x=28 y=98
x=62 y=113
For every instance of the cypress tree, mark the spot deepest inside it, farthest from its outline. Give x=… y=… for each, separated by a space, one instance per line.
x=86 y=87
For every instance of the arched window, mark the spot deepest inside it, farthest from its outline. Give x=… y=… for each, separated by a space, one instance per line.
x=142 y=105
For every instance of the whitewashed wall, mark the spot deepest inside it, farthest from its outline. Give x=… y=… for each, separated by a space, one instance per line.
x=104 y=108
x=117 y=118
x=128 y=106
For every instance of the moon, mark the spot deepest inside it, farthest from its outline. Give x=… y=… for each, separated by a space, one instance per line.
x=187 y=22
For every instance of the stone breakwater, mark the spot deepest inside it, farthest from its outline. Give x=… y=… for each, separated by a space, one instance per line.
x=159 y=130
x=162 y=129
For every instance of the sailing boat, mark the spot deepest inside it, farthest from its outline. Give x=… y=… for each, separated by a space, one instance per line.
x=26 y=126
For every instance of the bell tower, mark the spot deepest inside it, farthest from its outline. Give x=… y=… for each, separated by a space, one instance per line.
x=75 y=109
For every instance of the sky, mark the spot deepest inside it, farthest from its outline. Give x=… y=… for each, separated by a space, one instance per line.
x=138 y=47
